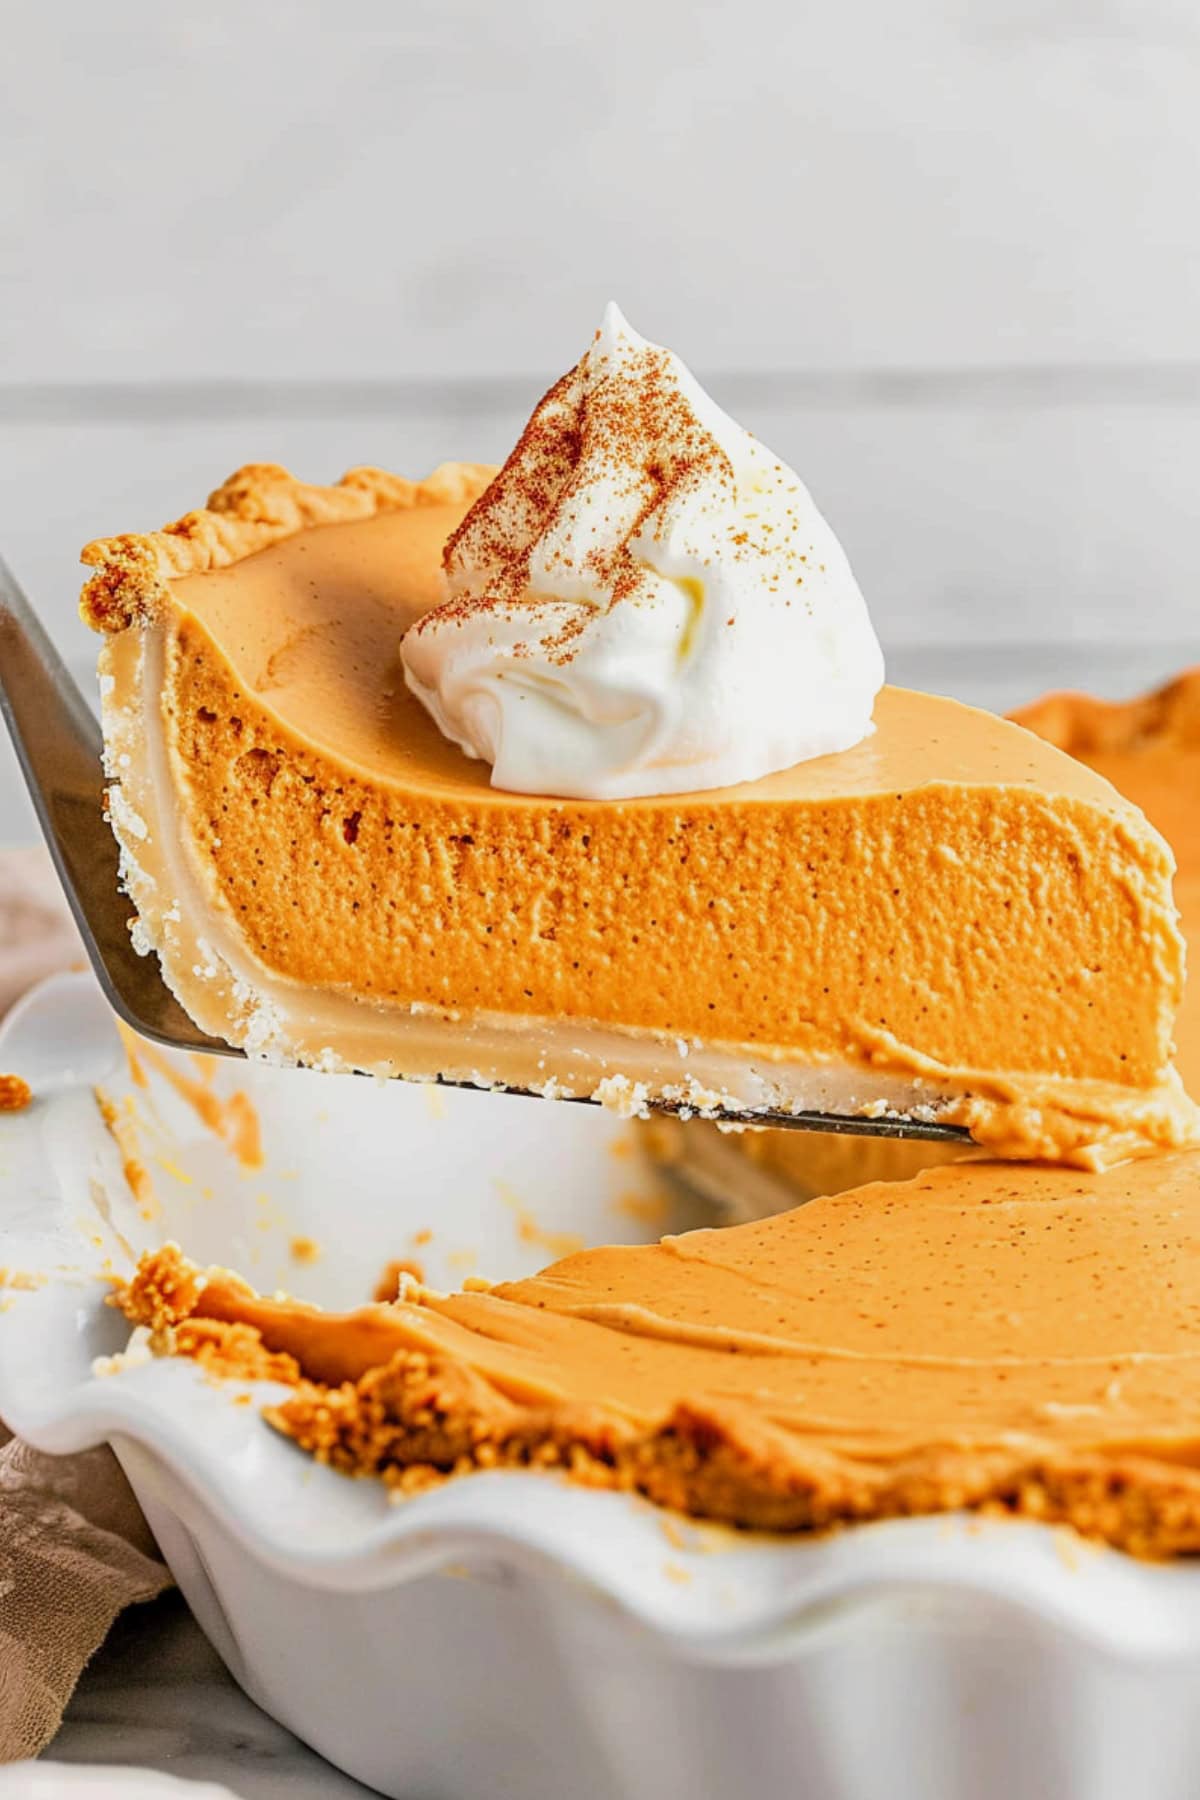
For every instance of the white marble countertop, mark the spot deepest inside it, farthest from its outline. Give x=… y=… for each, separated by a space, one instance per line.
x=157 y=1696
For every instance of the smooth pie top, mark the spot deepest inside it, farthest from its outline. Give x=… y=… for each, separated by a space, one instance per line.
x=1026 y=1337
x=311 y=628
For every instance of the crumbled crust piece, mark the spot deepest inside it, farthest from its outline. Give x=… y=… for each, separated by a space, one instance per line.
x=163 y=1294
x=396 y=1276
x=233 y=1351
x=163 y=1290
x=15 y=1093
x=427 y=1413
x=258 y=506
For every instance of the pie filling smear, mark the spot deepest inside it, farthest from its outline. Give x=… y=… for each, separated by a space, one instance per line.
x=580 y=776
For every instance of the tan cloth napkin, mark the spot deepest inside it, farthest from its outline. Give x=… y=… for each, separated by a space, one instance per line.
x=74 y=1547
x=37 y=935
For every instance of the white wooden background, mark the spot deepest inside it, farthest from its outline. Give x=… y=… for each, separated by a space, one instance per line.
x=943 y=257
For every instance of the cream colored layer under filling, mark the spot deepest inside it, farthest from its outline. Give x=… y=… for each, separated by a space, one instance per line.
x=228 y=991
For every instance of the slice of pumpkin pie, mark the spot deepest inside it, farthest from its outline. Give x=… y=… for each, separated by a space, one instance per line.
x=1149 y=748
x=580 y=777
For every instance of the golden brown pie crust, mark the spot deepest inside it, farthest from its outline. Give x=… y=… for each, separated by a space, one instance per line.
x=258 y=506
x=1084 y=726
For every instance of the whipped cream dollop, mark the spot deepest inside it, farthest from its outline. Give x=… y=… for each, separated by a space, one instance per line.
x=645 y=600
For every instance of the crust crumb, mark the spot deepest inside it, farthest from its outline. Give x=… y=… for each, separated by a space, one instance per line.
x=162 y=1292
x=234 y=1351
x=15 y=1093
x=395 y=1277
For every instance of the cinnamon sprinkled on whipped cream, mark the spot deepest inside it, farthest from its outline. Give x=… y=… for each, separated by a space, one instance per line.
x=638 y=433
x=644 y=600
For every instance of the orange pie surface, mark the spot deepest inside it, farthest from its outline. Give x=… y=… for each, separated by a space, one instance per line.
x=985 y=1334
x=954 y=914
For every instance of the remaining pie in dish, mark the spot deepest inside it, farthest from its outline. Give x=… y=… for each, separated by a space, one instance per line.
x=952 y=914
x=985 y=1335
x=1149 y=749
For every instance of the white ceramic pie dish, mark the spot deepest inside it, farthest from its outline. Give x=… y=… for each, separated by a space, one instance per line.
x=508 y=1634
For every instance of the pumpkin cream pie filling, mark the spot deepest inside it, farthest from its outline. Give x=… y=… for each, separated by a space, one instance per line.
x=751 y=877
x=1149 y=749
